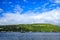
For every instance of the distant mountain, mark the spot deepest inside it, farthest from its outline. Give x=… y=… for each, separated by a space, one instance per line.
x=31 y=28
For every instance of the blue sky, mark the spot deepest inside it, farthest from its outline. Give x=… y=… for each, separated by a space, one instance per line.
x=8 y=5
x=29 y=11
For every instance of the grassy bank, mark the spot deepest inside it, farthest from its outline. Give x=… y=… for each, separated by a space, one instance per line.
x=31 y=28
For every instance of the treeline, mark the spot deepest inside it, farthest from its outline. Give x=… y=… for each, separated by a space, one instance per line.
x=14 y=28
x=31 y=28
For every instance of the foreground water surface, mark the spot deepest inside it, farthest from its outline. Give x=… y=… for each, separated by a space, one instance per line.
x=29 y=36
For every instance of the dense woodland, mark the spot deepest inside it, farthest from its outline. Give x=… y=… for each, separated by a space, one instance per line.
x=30 y=28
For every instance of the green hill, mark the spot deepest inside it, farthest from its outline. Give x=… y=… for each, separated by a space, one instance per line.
x=31 y=28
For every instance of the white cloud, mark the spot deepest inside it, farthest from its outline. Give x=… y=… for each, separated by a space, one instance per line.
x=55 y=1
x=18 y=9
x=30 y=17
x=10 y=2
x=25 y=0
x=1 y=10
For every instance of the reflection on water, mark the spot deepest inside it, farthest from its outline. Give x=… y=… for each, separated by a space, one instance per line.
x=29 y=36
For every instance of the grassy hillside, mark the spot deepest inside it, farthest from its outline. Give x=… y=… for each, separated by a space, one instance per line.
x=31 y=28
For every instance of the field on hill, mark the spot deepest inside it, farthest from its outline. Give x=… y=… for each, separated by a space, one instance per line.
x=31 y=28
